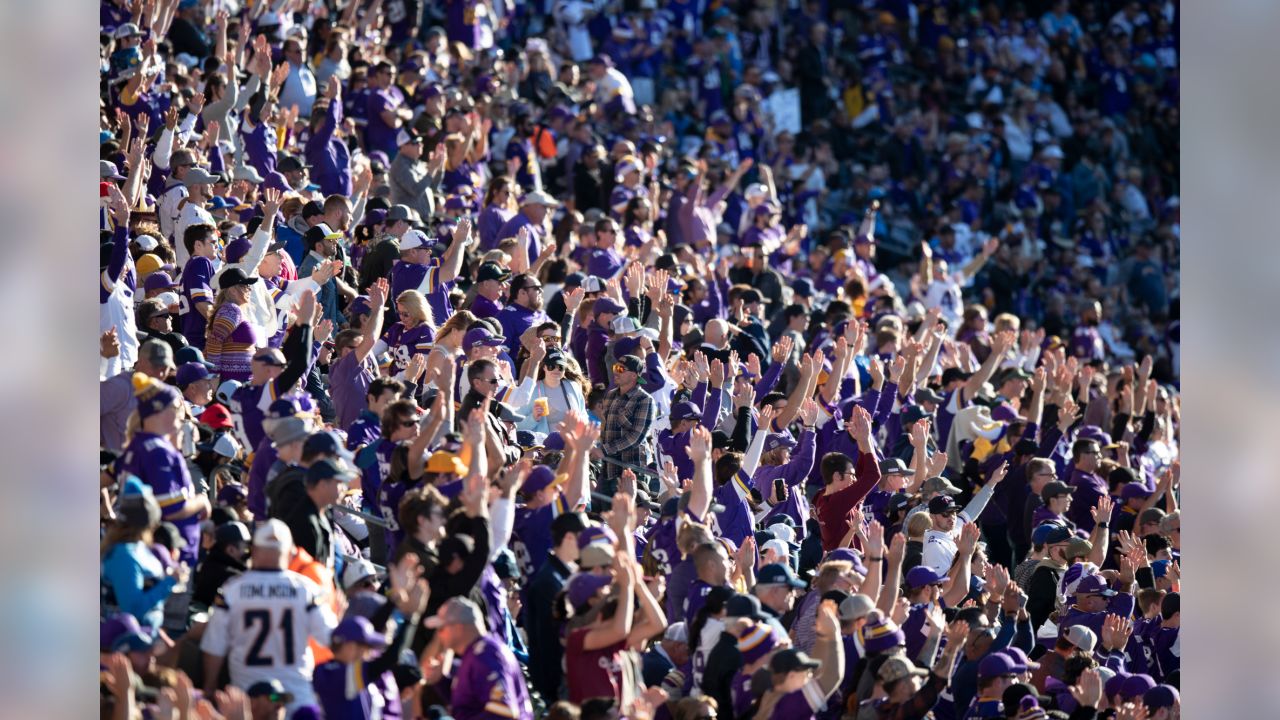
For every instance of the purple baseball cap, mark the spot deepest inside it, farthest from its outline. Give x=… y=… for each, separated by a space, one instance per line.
x=540 y=477
x=997 y=664
x=596 y=535
x=922 y=575
x=779 y=440
x=1161 y=696
x=1115 y=684
x=583 y=587
x=192 y=372
x=684 y=410
x=847 y=555
x=357 y=629
x=1093 y=432
x=554 y=441
x=1020 y=659
x=232 y=493
x=1094 y=585
x=481 y=336
x=607 y=305
x=1004 y=412
x=159 y=280
x=236 y=249
x=1136 y=685
x=881 y=633
x=359 y=306
x=374 y=217
x=1134 y=490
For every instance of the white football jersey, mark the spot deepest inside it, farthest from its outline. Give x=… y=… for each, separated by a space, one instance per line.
x=261 y=621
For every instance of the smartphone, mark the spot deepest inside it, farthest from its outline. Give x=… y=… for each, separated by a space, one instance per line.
x=779 y=490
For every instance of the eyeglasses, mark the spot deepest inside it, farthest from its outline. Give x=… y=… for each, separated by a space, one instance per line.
x=551 y=339
x=491 y=381
x=532 y=287
x=1050 y=474
x=411 y=422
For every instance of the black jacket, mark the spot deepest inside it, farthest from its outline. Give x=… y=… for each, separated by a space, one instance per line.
x=286 y=491
x=213 y=571
x=546 y=653
x=311 y=530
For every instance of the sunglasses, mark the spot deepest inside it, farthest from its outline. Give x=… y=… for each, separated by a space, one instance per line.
x=412 y=422
x=491 y=381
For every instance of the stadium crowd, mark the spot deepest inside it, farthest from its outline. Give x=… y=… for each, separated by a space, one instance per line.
x=644 y=359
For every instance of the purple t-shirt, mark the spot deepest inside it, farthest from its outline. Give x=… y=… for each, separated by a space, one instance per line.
x=799 y=704
x=605 y=263
x=349 y=381
x=157 y=463
x=197 y=279
x=483 y=307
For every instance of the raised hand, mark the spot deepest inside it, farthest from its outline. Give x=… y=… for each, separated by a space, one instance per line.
x=781 y=349
x=699 y=444
x=1000 y=473
x=897 y=549
x=716 y=373
x=968 y=539
x=875 y=539
x=1068 y=415
x=860 y=425
x=896 y=368
x=957 y=634
x=809 y=412
x=767 y=414
x=828 y=622
x=875 y=368
x=744 y=396
x=1088 y=691
x=937 y=464
x=1102 y=511
x=919 y=435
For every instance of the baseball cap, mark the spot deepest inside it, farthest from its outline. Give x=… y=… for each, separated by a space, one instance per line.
x=414 y=239
x=893 y=466
x=938 y=484
x=273 y=535
x=1057 y=533
x=538 y=197
x=246 y=173
x=677 y=632
x=157 y=352
x=553 y=442
x=400 y=212
x=357 y=629
x=1021 y=661
x=358 y=571
x=779 y=440
x=607 y=305
x=325 y=442
x=1082 y=637
x=225 y=445
x=940 y=504
x=855 y=606
x=290 y=163
x=153 y=396
x=234 y=276
x=1053 y=489
x=881 y=633
x=1094 y=585
x=922 y=575
x=742 y=605
x=192 y=372
x=231 y=532
x=1134 y=490
x=631 y=363
x=271 y=689
x=481 y=336
x=1160 y=696
x=455 y=611
x=226 y=390
x=327 y=470
x=492 y=271
x=792 y=660
x=539 y=477
x=1136 y=685
x=896 y=668
x=997 y=664
x=1078 y=547
x=582 y=587
x=233 y=493
x=778 y=574
x=913 y=414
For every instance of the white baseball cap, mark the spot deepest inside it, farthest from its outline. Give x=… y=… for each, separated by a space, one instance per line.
x=413 y=239
x=777 y=546
x=168 y=298
x=226 y=390
x=357 y=571
x=146 y=242
x=756 y=190
x=273 y=535
x=676 y=632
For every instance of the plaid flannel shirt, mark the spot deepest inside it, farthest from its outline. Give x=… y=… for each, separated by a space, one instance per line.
x=628 y=422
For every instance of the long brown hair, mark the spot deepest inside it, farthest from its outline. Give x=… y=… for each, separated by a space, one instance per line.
x=222 y=298
x=118 y=533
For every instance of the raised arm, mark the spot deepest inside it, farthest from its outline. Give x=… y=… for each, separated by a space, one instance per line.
x=804 y=388
x=372 y=329
x=999 y=346
x=451 y=262
x=700 y=488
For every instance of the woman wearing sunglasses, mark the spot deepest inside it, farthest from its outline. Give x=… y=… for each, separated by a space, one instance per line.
x=550 y=388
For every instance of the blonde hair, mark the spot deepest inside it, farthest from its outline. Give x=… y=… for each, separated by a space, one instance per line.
x=416 y=305
x=919 y=524
x=691 y=535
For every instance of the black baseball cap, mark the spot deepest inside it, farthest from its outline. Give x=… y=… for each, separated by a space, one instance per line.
x=792 y=660
x=940 y=504
x=272 y=689
x=492 y=271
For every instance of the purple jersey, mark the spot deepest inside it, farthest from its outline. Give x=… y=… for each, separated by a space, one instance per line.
x=662 y=545
x=736 y=522
x=378 y=135
x=695 y=599
x=531 y=536
x=1086 y=344
x=800 y=704
x=349 y=693
x=154 y=460
x=388 y=494
x=426 y=280
x=349 y=381
x=404 y=344
x=249 y=406
x=489 y=683
x=197 y=281
x=605 y=263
